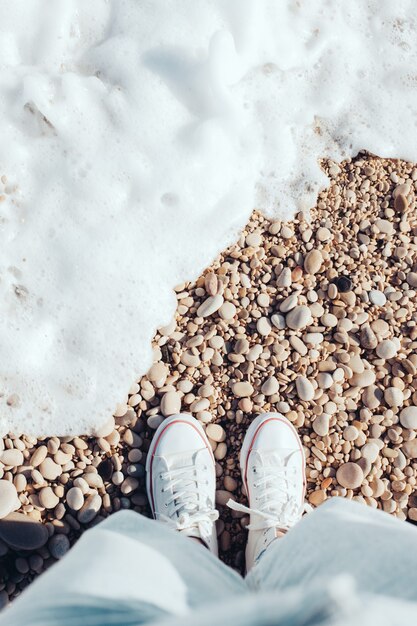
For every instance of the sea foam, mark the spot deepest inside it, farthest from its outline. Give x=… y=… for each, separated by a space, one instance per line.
x=136 y=138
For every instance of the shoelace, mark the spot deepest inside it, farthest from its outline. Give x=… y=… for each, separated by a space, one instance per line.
x=184 y=508
x=277 y=502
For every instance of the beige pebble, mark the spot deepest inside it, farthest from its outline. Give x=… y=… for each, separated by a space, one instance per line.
x=47 y=498
x=263 y=326
x=321 y=425
x=222 y=496
x=158 y=374
x=220 y=451
x=288 y=303
x=410 y=448
x=12 y=457
x=305 y=389
x=317 y=497
x=49 y=469
x=38 y=456
x=189 y=359
x=324 y=380
x=75 y=498
x=350 y=433
x=270 y=386
x=329 y=320
x=372 y=397
x=230 y=484
x=61 y=458
x=253 y=239
x=211 y=283
x=370 y=451
x=210 y=306
x=89 y=509
x=313 y=261
x=242 y=389
x=129 y=485
x=278 y=321
x=227 y=311
x=393 y=396
x=408 y=417
x=365 y=379
x=368 y=338
x=299 y=317
x=349 y=475
x=9 y=501
x=412 y=279
x=386 y=349
x=215 y=432
x=170 y=403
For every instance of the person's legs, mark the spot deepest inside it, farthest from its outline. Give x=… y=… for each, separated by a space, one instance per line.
x=126 y=570
x=342 y=537
x=129 y=569
x=272 y=463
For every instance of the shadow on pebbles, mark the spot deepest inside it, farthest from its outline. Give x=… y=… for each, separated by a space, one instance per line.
x=315 y=319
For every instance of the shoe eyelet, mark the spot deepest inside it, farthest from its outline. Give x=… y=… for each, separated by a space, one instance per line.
x=166 y=506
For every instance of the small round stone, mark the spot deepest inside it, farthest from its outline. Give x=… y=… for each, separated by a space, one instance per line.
x=12 y=457
x=58 y=545
x=170 y=403
x=263 y=326
x=408 y=417
x=349 y=475
x=47 y=498
x=377 y=297
x=305 y=389
x=270 y=386
x=393 y=396
x=324 y=380
x=215 y=432
x=210 y=306
x=242 y=389
x=365 y=379
x=321 y=425
x=386 y=349
x=8 y=498
x=49 y=469
x=343 y=284
x=350 y=433
x=89 y=509
x=313 y=261
x=299 y=317
x=158 y=374
x=75 y=498
x=227 y=311
x=38 y=456
x=370 y=452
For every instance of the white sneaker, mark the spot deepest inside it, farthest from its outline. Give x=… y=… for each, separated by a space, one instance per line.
x=272 y=463
x=181 y=479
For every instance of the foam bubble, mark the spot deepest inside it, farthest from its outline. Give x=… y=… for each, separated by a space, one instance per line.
x=137 y=138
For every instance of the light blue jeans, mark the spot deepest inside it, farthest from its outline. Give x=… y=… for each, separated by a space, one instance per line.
x=344 y=564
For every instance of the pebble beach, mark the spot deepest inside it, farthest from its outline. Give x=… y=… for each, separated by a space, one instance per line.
x=314 y=318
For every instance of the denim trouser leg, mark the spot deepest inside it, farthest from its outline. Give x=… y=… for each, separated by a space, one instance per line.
x=131 y=570
x=342 y=537
x=127 y=570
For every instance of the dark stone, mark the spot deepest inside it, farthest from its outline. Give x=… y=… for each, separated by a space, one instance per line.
x=105 y=469
x=23 y=533
x=343 y=284
x=58 y=546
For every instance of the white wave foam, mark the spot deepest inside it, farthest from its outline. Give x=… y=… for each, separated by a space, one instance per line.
x=136 y=137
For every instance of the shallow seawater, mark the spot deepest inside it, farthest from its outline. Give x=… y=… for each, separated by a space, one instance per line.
x=136 y=140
